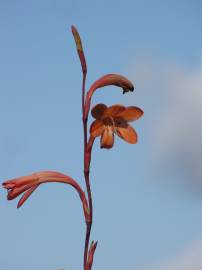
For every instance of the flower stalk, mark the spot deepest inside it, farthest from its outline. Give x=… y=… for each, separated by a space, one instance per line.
x=109 y=121
x=87 y=150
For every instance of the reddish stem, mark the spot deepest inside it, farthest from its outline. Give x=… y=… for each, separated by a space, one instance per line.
x=87 y=159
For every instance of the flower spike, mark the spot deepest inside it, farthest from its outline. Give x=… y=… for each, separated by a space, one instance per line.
x=108 y=122
x=79 y=49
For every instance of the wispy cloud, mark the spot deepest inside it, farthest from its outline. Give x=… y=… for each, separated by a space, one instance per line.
x=173 y=115
x=189 y=259
x=180 y=124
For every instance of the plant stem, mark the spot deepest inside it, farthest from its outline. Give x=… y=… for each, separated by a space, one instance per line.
x=87 y=154
x=88 y=224
x=83 y=109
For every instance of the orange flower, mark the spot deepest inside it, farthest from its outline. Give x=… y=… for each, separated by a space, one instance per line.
x=114 y=119
x=27 y=185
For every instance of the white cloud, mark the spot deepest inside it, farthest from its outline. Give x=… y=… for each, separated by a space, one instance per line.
x=189 y=259
x=172 y=98
x=180 y=124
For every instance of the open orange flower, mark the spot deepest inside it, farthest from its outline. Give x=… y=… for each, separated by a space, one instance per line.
x=114 y=119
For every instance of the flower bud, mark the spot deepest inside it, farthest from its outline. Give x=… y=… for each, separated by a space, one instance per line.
x=79 y=49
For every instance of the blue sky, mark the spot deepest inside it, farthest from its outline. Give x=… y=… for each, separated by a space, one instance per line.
x=147 y=197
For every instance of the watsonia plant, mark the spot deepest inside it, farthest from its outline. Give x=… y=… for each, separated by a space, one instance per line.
x=109 y=121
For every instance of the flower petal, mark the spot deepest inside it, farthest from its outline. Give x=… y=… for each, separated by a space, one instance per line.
x=98 y=110
x=114 y=110
x=127 y=133
x=131 y=113
x=15 y=192
x=107 y=139
x=26 y=195
x=96 y=128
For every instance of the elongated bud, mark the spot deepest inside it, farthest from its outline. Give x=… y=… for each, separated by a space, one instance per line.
x=91 y=254
x=79 y=49
x=107 y=80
